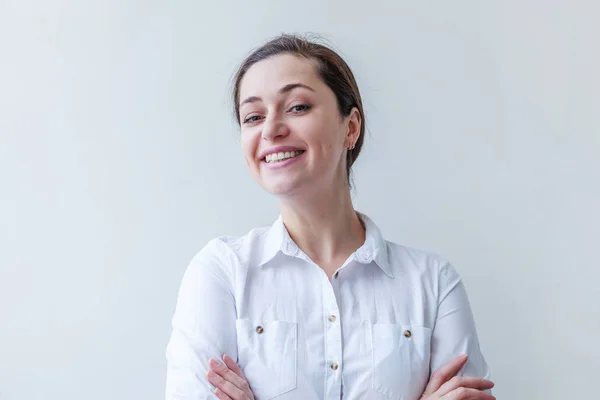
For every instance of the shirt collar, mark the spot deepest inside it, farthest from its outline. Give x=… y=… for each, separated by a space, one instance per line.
x=277 y=239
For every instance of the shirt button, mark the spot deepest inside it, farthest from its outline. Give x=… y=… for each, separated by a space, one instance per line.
x=334 y=366
x=407 y=333
x=259 y=329
x=332 y=318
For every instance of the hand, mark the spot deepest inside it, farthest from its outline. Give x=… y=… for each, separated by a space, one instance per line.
x=445 y=385
x=229 y=380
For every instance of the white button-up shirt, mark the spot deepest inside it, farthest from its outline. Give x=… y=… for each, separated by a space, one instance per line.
x=390 y=316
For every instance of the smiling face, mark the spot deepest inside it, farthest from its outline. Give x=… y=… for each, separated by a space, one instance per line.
x=294 y=138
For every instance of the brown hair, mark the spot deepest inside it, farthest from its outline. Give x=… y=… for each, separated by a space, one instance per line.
x=331 y=68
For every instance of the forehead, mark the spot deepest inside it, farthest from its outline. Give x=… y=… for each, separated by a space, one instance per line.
x=267 y=76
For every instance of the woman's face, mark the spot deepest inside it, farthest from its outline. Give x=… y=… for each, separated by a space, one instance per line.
x=293 y=136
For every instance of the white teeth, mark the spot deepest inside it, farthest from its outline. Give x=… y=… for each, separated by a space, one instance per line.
x=275 y=157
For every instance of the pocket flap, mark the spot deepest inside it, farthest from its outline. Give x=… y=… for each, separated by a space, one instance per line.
x=267 y=352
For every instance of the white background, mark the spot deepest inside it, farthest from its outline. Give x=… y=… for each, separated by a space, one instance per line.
x=119 y=159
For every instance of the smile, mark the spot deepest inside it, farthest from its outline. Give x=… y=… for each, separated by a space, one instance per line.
x=282 y=155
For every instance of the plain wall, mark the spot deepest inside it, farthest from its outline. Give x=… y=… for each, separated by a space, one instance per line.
x=120 y=159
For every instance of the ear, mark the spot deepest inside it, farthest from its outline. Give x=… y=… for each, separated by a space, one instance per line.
x=354 y=124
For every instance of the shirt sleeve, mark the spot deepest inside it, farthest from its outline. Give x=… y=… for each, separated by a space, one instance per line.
x=203 y=324
x=454 y=332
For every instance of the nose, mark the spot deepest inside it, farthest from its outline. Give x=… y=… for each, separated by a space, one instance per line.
x=274 y=128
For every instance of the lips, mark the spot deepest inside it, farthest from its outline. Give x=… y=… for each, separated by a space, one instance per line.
x=274 y=152
x=281 y=156
x=284 y=164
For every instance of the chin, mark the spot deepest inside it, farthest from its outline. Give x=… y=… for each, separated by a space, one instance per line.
x=283 y=188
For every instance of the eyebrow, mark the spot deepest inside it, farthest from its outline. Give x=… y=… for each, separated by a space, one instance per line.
x=287 y=88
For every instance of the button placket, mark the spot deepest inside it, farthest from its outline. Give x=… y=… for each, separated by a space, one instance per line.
x=333 y=338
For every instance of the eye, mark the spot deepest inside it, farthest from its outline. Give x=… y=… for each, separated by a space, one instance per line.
x=252 y=118
x=300 y=108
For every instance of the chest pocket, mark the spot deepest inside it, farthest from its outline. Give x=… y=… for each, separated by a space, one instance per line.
x=267 y=352
x=401 y=355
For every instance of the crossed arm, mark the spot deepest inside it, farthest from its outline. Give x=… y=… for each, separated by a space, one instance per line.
x=206 y=300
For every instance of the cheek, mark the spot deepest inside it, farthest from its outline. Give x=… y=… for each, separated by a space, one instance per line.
x=317 y=131
x=326 y=135
x=249 y=144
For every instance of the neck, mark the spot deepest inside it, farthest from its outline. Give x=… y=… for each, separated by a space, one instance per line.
x=324 y=225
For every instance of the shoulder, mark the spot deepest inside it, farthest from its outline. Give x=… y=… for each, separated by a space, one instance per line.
x=416 y=263
x=221 y=262
x=227 y=250
x=424 y=270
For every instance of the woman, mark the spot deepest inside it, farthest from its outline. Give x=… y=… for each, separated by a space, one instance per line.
x=319 y=305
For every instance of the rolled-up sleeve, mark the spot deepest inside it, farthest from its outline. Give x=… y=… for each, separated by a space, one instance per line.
x=203 y=324
x=454 y=332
